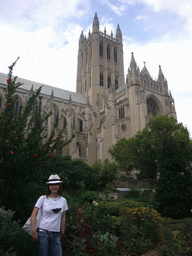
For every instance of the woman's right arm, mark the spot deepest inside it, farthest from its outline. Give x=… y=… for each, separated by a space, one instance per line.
x=33 y=224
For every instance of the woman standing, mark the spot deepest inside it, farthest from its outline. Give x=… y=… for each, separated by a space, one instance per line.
x=52 y=223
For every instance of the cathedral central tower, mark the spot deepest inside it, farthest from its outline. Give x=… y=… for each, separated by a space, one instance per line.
x=100 y=63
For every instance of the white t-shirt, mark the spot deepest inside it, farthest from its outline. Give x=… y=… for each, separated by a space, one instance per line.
x=53 y=209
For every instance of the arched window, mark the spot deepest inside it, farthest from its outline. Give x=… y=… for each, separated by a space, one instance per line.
x=121 y=112
x=101 y=79
x=35 y=112
x=115 y=55
x=17 y=106
x=56 y=116
x=64 y=123
x=108 y=52
x=101 y=49
x=80 y=125
x=109 y=81
x=79 y=148
x=152 y=107
x=116 y=83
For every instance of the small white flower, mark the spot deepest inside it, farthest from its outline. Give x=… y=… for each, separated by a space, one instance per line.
x=95 y=203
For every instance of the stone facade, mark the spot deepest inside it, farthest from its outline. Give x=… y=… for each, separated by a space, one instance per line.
x=104 y=108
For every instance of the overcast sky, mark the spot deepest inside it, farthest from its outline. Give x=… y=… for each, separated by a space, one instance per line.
x=45 y=34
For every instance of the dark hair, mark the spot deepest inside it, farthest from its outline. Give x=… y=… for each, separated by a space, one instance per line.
x=48 y=192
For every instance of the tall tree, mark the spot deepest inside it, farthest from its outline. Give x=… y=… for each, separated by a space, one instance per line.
x=24 y=149
x=163 y=147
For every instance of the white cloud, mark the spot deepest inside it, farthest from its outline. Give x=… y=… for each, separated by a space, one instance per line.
x=53 y=66
x=140 y=17
x=183 y=8
x=35 y=14
x=116 y=9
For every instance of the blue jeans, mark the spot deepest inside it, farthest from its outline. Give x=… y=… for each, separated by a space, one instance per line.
x=49 y=243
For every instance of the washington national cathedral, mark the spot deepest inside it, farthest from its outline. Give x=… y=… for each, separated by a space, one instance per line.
x=106 y=107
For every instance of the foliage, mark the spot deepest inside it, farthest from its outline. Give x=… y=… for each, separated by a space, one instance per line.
x=83 y=239
x=141 y=228
x=13 y=240
x=102 y=174
x=124 y=152
x=72 y=172
x=163 y=147
x=173 y=244
x=147 y=218
x=24 y=149
x=89 y=197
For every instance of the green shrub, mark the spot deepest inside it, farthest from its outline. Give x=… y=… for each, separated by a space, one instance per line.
x=89 y=197
x=12 y=237
x=173 y=245
x=101 y=175
x=141 y=228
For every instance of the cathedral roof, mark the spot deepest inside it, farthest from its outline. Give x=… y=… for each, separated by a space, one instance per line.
x=144 y=72
x=121 y=88
x=47 y=90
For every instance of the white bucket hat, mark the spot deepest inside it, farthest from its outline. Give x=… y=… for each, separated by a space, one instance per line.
x=54 y=179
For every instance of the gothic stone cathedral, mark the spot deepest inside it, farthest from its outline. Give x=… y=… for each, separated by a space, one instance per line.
x=104 y=108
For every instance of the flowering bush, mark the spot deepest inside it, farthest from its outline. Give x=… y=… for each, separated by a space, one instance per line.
x=83 y=235
x=141 y=227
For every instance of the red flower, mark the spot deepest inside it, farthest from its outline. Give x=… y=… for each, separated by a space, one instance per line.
x=63 y=177
x=45 y=148
x=60 y=140
x=53 y=135
x=63 y=136
x=23 y=153
x=51 y=154
x=29 y=138
x=11 y=152
x=35 y=155
x=9 y=104
x=9 y=80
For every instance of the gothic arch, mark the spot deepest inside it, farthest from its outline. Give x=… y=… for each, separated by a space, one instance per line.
x=79 y=147
x=108 y=52
x=115 y=54
x=154 y=106
x=101 y=49
x=56 y=114
x=64 y=121
x=17 y=105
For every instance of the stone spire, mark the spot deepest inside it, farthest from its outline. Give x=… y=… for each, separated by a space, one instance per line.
x=133 y=64
x=133 y=71
x=95 y=24
x=160 y=76
x=81 y=39
x=118 y=33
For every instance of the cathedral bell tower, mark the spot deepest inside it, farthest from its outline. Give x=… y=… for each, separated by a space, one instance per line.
x=100 y=71
x=100 y=63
